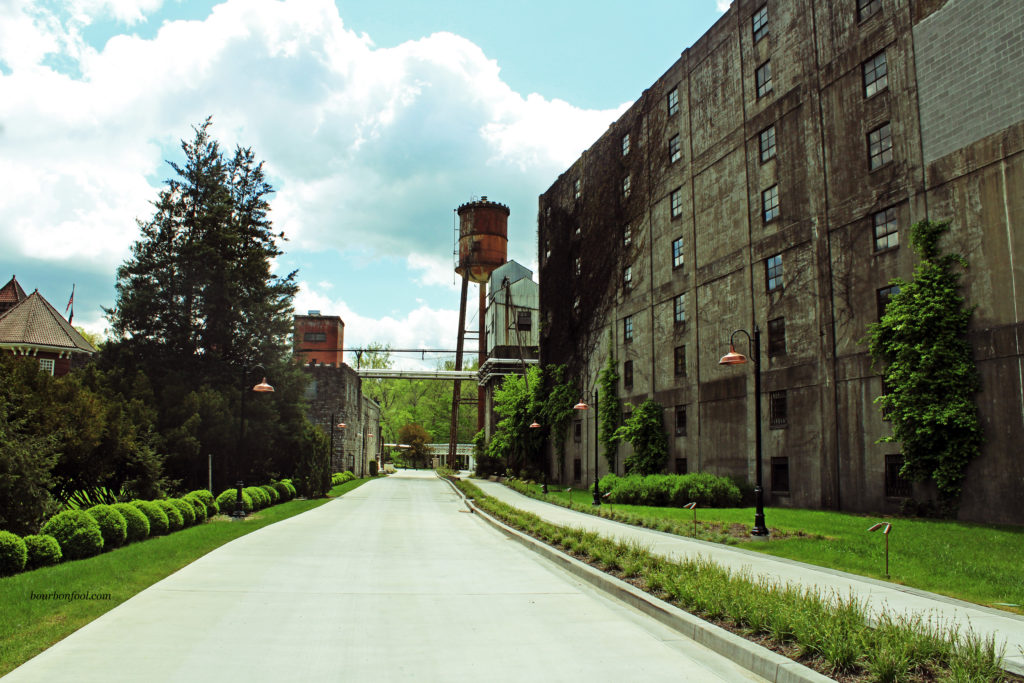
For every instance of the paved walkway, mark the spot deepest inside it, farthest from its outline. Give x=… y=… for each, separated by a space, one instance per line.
x=1006 y=627
x=394 y=581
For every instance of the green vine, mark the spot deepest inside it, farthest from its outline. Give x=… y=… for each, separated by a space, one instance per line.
x=609 y=407
x=556 y=409
x=931 y=377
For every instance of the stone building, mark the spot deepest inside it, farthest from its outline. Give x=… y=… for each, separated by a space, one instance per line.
x=768 y=179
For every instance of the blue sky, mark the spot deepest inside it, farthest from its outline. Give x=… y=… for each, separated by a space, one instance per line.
x=375 y=119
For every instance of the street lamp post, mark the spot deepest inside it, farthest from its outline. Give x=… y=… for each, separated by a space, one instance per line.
x=734 y=358
x=330 y=456
x=261 y=388
x=583 y=406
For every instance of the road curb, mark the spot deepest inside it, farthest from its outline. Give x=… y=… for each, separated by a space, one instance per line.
x=756 y=659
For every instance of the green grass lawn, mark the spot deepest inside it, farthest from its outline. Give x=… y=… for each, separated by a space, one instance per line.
x=27 y=627
x=979 y=563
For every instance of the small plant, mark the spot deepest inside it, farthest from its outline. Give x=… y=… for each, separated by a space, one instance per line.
x=158 y=522
x=136 y=522
x=188 y=514
x=77 y=533
x=13 y=554
x=112 y=525
x=174 y=520
x=43 y=551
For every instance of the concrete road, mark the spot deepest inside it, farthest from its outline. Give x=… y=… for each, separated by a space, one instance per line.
x=392 y=582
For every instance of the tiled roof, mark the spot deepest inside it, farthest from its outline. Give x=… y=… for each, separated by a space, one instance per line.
x=34 y=322
x=12 y=293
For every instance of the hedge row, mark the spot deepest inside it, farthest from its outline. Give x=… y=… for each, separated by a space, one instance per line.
x=339 y=478
x=76 y=534
x=672 y=490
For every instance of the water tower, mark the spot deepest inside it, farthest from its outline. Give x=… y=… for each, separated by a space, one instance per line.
x=482 y=247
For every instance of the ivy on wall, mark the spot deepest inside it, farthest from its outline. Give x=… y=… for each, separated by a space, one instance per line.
x=609 y=407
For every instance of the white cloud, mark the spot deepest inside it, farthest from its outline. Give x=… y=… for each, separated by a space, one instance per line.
x=723 y=5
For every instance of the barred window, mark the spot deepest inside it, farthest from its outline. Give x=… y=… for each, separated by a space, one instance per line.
x=880 y=146
x=679 y=309
x=627 y=236
x=896 y=486
x=770 y=203
x=887 y=234
x=673 y=102
x=767 y=140
x=680 y=361
x=576 y=266
x=760 y=23
x=773 y=273
x=677 y=252
x=763 y=79
x=627 y=183
x=627 y=277
x=777 y=337
x=627 y=329
x=627 y=374
x=777 y=408
x=680 y=421
x=676 y=200
x=876 y=77
x=675 y=150
x=625 y=144
x=576 y=190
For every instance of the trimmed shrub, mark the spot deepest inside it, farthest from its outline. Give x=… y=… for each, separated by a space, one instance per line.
x=287 y=492
x=188 y=513
x=77 y=532
x=227 y=499
x=198 y=507
x=13 y=553
x=272 y=493
x=373 y=468
x=292 y=491
x=260 y=499
x=207 y=498
x=158 y=522
x=42 y=550
x=137 y=523
x=339 y=478
x=174 y=520
x=112 y=523
x=672 y=490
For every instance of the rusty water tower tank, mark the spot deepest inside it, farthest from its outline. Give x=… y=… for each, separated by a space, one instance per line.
x=483 y=238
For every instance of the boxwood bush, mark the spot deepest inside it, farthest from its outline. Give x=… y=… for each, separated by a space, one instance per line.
x=672 y=490
x=42 y=550
x=283 y=489
x=77 y=532
x=259 y=497
x=137 y=524
x=174 y=520
x=158 y=522
x=272 y=493
x=208 y=500
x=112 y=523
x=198 y=507
x=185 y=509
x=13 y=554
x=290 y=487
x=227 y=499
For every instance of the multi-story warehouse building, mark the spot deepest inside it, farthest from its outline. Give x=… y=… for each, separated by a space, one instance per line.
x=768 y=179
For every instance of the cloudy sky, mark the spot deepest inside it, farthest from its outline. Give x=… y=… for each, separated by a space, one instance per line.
x=376 y=119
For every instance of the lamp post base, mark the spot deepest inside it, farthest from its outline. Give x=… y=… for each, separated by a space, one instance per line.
x=759 y=528
x=239 y=511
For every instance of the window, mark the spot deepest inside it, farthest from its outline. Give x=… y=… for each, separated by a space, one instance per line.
x=767 y=140
x=627 y=329
x=47 y=365
x=763 y=78
x=880 y=146
x=576 y=305
x=770 y=203
x=780 y=475
x=876 y=77
x=760 y=23
x=680 y=465
x=773 y=272
x=625 y=144
x=627 y=374
x=578 y=229
x=577 y=431
x=627 y=236
x=577 y=470
x=314 y=336
x=866 y=8
x=887 y=234
x=896 y=486
x=576 y=191
x=676 y=200
x=679 y=309
x=627 y=277
x=675 y=151
x=680 y=420
x=680 y=361
x=577 y=266
x=883 y=296
x=627 y=182
x=777 y=337
x=673 y=102
x=777 y=408
x=524 y=321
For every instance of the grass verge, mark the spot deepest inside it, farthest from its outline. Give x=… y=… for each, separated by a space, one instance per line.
x=830 y=633
x=29 y=626
x=974 y=562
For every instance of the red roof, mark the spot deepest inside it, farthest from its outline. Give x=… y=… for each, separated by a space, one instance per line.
x=12 y=293
x=34 y=322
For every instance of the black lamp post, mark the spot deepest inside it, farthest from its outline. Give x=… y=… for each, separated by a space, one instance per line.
x=330 y=456
x=583 y=406
x=734 y=358
x=262 y=387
